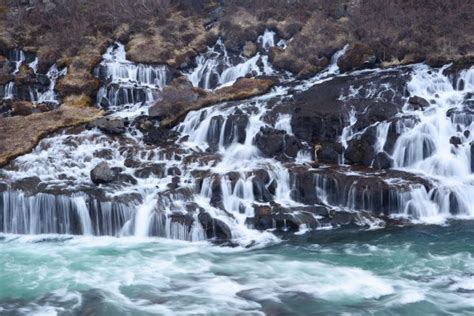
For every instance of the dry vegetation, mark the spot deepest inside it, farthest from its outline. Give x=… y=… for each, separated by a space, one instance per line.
x=165 y=31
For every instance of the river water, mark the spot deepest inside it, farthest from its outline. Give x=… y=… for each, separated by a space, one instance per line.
x=418 y=270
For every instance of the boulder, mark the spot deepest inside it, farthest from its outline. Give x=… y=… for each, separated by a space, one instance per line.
x=270 y=141
x=102 y=174
x=418 y=103
x=360 y=150
x=357 y=56
x=110 y=125
x=214 y=228
x=455 y=140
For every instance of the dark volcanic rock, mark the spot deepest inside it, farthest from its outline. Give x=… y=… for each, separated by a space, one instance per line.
x=360 y=150
x=102 y=174
x=272 y=142
x=455 y=140
x=214 y=228
x=110 y=125
x=418 y=103
x=383 y=161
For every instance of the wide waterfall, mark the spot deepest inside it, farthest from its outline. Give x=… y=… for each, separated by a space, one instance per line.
x=220 y=172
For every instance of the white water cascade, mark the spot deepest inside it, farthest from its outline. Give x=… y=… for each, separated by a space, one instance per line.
x=216 y=69
x=213 y=180
x=128 y=85
x=440 y=143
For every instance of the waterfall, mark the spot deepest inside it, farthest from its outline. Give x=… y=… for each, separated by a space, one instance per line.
x=216 y=68
x=49 y=96
x=128 y=85
x=213 y=180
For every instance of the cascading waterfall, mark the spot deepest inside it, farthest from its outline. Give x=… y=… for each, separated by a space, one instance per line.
x=438 y=143
x=238 y=178
x=35 y=94
x=216 y=69
x=128 y=85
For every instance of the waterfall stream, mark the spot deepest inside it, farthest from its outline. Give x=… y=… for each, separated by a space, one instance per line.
x=215 y=177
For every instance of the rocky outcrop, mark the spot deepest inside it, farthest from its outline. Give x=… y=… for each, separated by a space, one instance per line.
x=102 y=174
x=357 y=56
x=24 y=132
x=179 y=97
x=109 y=125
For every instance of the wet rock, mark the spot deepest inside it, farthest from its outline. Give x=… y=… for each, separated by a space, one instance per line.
x=43 y=80
x=214 y=228
x=360 y=150
x=28 y=184
x=5 y=71
x=158 y=136
x=357 y=56
x=102 y=174
x=126 y=178
x=330 y=152
x=455 y=140
x=144 y=124
x=235 y=128
x=341 y=218
x=383 y=161
x=131 y=163
x=270 y=141
x=216 y=193
x=418 y=103
x=152 y=169
x=104 y=153
x=214 y=131
x=109 y=125
x=22 y=108
x=173 y=171
x=174 y=184
x=304 y=186
x=320 y=113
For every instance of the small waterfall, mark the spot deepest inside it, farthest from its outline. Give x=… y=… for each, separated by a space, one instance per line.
x=381 y=134
x=129 y=85
x=57 y=214
x=17 y=56
x=49 y=96
x=216 y=68
x=9 y=90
